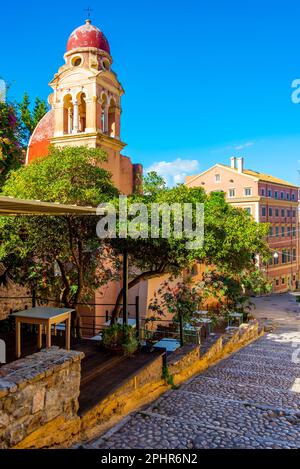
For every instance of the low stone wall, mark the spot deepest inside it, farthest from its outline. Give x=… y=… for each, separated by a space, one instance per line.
x=39 y=399
x=148 y=384
x=183 y=364
x=142 y=388
x=39 y=394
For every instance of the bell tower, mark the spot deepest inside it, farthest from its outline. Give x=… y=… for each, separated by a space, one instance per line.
x=86 y=106
x=87 y=94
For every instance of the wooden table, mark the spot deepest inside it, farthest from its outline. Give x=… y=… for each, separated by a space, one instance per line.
x=43 y=316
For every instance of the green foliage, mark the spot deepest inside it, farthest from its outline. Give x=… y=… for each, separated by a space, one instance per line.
x=60 y=256
x=10 y=149
x=231 y=237
x=118 y=337
x=233 y=290
x=152 y=183
x=181 y=300
x=29 y=116
x=169 y=379
x=70 y=175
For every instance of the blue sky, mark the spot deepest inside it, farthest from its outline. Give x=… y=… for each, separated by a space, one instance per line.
x=204 y=80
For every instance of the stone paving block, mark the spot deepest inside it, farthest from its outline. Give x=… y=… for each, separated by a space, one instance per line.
x=249 y=400
x=244 y=392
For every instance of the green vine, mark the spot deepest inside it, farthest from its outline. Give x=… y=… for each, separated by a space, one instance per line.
x=166 y=375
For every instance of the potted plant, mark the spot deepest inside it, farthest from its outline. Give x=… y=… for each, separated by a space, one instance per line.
x=120 y=339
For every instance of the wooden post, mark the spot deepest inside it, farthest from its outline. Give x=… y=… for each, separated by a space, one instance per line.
x=125 y=287
x=68 y=332
x=18 y=338
x=137 y=316
x=33 y=298
x=181 y=330
x=48 y=334
x=40 y=336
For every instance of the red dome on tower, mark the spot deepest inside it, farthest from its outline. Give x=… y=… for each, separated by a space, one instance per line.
x=88 y=36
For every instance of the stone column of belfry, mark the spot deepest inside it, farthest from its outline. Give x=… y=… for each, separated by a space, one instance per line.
x=91 y=114
x=106 y=118
x=75 y=117
x=118 y=111
x=70 y=120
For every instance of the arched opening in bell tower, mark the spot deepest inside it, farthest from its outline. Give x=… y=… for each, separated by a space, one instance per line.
x=81 y=99
x=104 y=113
x=68 y=114
x=112 y=118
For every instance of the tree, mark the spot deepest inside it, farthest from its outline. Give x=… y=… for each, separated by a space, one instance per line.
x=30 y=117
x=10 y=134
x=232 y=291
x=60 y=256
x=231 y=237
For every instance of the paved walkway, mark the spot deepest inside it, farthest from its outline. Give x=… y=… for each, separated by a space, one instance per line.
x=249 y=400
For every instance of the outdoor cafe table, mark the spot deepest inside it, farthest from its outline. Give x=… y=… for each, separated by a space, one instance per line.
x=43 y=316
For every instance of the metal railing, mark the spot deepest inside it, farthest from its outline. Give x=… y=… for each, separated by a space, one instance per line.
x=147 y=330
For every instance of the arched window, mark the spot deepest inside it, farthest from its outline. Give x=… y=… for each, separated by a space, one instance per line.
x=81 y=100
x=104 y=113
x=112 y=118
x=68 y=114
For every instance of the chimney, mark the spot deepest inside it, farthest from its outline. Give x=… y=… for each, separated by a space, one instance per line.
x=233 y=162
x=240 y=165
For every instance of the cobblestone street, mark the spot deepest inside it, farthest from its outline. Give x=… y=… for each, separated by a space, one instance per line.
x=249 y=400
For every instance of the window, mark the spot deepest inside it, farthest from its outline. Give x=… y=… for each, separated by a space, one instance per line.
x=282 y=231
x=77 y=61
x=270 y=212
x=105 y=64
x=277 y=282
x=294 y=231
x=263 y=211
x=248 y=210
x=288 y=231
x=271 y=261
x=293 y=196
x=270 y=193
x=294 y=213
x=288 y=213
x=276 y=194
x=276 y=212
x=282 y=212
x=270 y=231
x=247 y=191
x=288 y=256
x=277 y=231
x=283 y=280
x=231 y=193
x=276 y=259
x=217 y=177
x=282 y=195
x=287 y=196
x=283 y=257
x=294 y=254
x=263 y=192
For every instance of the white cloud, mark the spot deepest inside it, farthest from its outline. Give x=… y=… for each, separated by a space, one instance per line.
x=233 y=147
x=175 y=171
x=243 y=146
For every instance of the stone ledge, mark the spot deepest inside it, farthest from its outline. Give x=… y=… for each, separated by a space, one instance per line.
x=18 y=374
